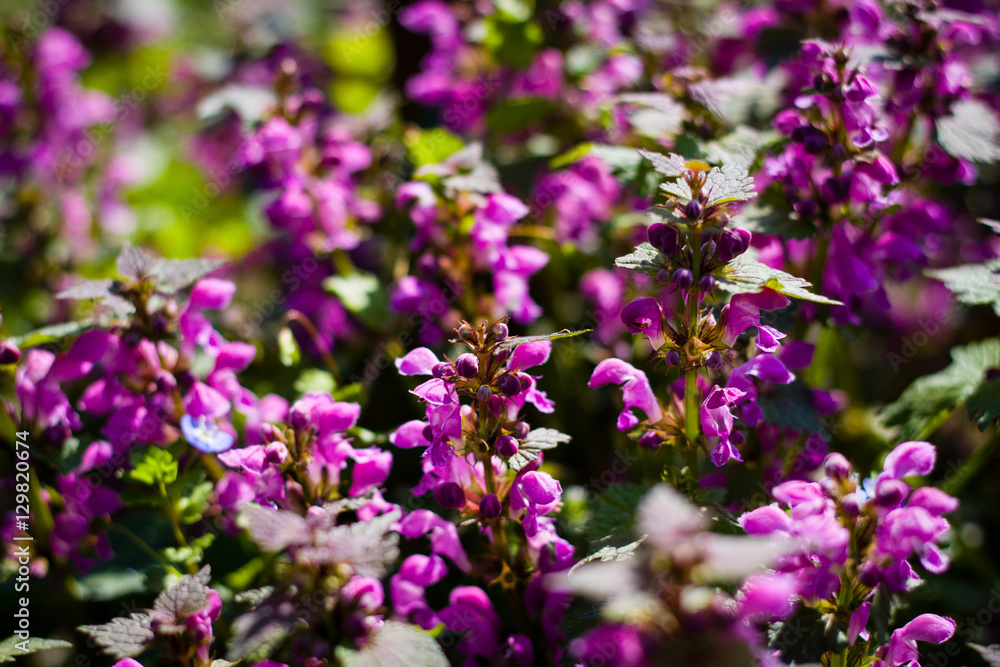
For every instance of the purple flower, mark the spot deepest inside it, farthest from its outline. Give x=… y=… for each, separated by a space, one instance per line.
x=204 y=435
x=743 y=312
x=902 y=648
x=636 y=391
x=643 y=315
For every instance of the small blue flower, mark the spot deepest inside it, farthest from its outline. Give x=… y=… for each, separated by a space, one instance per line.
x=205 y=435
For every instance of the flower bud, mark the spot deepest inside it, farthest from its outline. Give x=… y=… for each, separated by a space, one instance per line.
x=692 y=210
x=509 y=385
x=444 y=370
x=664 y=238
x=467 y=332
x=506 y=445
x=837 y=466
x=713 y=360
x=483 y=394
x=9 y=354
x=489 y=506
x=641 y=314
x=663 y=276
x=467 y=365
x=890 y=492
x=428 y=433
x=500 y=331
x=737 y=437
x=650 y=440
x=722 y=219
x=706 y=284
x=450 y=495
x=683 y=278
x=732 y=244
x=524 y=380
x=672 y=358
x=298 y=419
x=521 y=430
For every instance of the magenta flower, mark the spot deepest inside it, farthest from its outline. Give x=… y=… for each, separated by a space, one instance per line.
x=902 y=647
x=636 y=391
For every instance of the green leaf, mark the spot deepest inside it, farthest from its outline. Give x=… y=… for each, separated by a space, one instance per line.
x=972 y=132
x=790 y=406
x=52 y=334
x=926 y=402
x=973 y=284
x=122 y=637
x=670 y=166
x=251 y=103
x=395 y=645
x=740 y=147
x=110 y=585
x=613 y=512
x=746 y=275
x=513 y=43
x=516 y=11
x=569 y=157
x=984 y=404
x=191 y=505
x=729 y=183
x=104 y=291
x=611 y=553
x=170 y=275
x=538 y=440
x=288 y=350
x=315 y=379
x=134 y=263
x=516 y=115
x=361 y=294
x=430 y=146
x=515 y=341
x=153 y=466
x=772 y=220
x=186 y=597
x=644 y=259
x=11 y=647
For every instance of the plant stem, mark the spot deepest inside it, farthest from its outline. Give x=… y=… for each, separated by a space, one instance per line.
x=328 y=360
x=691 y=407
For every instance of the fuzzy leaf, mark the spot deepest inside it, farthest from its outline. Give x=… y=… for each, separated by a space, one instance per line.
x=613 y=512
x=254 y=596
x=134 y=262
x=984 y=404
x=514 y=341
x=186 y=597
x=170 y=275
x=611 y=553
x=102 y=290
x=746 y=275
x=274 y=530
x=538 y=440
x=257 y=633
x=395 y=645
x=790 y=406
x=927 y=401
x=729 y=183
x=735 y=99
x=9 y=649
x=739 y=147
x=122 y=637
x=369 y=547
x=155 y=465
x=971 y=132
x=973 y=284
x=251 y=103
x=644 y=259
x=51 y=334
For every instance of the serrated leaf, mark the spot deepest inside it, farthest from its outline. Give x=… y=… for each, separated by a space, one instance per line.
x=671 y=165
x=984 y=405
x=613 y=512
x=102 y=291
x=134 y=262
x=739 y=147
x=257 y=633
x=153 y=466
x=924 y=403
x=538 y=441
x=971 y=132
x=186 y=597
x=395 y=645
x=514 y=341
x=51 y=334
x=369 y=547
x=611 y=553
x=254 y=596
x=274 y=530
x=122 y=637
x=790 y=406
x=747 y=275
x=729 y=183
x=973 y=284
x=9 y=649
x=170 y=275
x=991 y=653
x=734 y=99
x=761 y=218
x=644 y=259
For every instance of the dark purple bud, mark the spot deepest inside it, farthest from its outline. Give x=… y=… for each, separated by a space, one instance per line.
x=706 y=284
x=186 y=380
x=524 y=380
x=663 y=276
x=650 y=440
x=450 y=495
x=708 y=248
x=9 y=354
x=467 y=332
x=509 y=385
x=467 y=365
x=890 y=492
x=489 y=506
x=444 y=371
x=868 y=574
x=722 y=219
x=672 y=358
x=500 y=331
x=298 y=419
x=428 y=433
x=269 y=433
x=851 y=504
x=521 y=430
x=837 y=466
x=664 y=238
x=815 y=144
x=806 y=208
x=713 y=360
x=56 y=434
x=641 y=314
x=732 y=244
x=836 y=190
x=160 y=324
x=737 y=437
x=683 y=278
x=502 y=355
x=692 y=210
x=506 y=445
x=838 y=153
x=483 y=394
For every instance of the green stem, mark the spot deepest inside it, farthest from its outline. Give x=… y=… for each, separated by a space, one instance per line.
x=955 y=483
x=139 y=542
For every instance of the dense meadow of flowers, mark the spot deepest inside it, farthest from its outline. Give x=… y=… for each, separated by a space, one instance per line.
x=526 y=332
